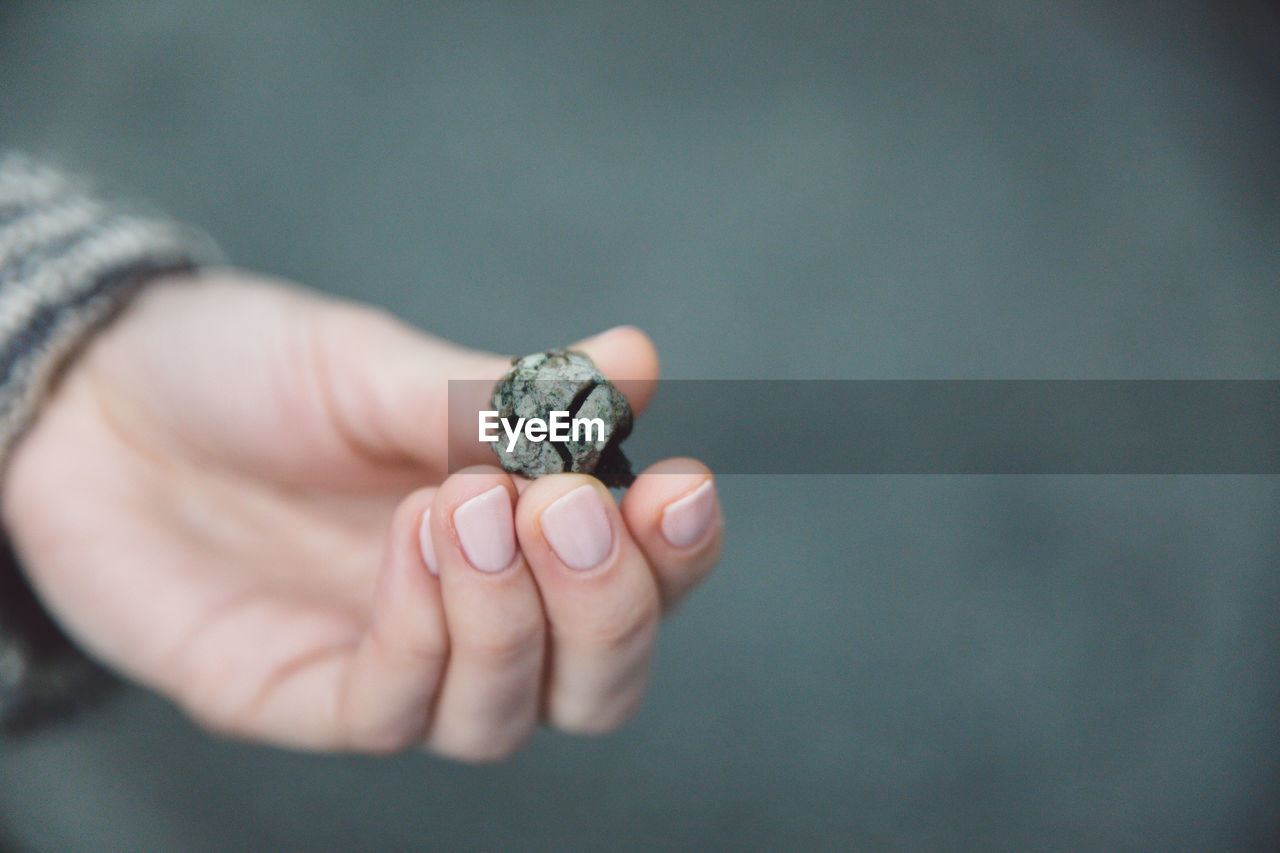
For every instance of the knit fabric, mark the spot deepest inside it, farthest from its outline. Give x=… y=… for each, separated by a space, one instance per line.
x=68 y=262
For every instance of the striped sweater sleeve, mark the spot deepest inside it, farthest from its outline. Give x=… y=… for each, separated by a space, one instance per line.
x=68 y=262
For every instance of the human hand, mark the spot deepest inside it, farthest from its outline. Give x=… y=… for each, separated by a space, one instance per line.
x=223 y=500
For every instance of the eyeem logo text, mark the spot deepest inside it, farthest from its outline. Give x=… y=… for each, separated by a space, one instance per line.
x=558 y=427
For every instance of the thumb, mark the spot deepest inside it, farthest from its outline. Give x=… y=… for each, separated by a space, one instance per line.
x=627 y=358
x=407 y=396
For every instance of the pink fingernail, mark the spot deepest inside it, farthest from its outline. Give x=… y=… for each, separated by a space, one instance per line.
x=424 y=543
x=486 y=530
x=577 y=528
x=685 y=521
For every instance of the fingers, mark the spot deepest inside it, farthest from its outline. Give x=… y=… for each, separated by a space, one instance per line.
x=559 y=615
x=552 y=598
x=491 y=612
x=600 y=600
x=489 y=700
x=674 y=514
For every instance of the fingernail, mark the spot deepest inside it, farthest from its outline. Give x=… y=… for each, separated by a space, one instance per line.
x=685 y=521
x=424 y=543
x=486 y=530
x=577 y=528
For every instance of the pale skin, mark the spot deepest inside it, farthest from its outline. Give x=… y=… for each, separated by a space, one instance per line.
x=224 y=501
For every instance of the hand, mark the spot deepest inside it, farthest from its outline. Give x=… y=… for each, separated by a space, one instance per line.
x=224 y=501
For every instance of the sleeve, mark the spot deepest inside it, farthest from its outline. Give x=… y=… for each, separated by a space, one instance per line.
x=68 y=262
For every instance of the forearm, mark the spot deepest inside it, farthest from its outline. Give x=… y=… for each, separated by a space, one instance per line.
x=68 y=263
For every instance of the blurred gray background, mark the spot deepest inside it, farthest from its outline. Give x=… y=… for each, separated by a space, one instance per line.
x=873 y=190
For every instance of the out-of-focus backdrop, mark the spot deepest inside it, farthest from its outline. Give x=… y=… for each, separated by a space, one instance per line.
x=905 y=189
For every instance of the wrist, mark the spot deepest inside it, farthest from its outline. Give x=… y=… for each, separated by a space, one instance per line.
x=68 y=264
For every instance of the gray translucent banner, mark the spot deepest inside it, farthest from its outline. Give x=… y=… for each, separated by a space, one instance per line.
x=939 y=426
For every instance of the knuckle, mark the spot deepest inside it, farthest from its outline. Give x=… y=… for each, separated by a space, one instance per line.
x=379 y=736
x=503 y=645
x=425 y=647
x=633 y=624
x=593 y=719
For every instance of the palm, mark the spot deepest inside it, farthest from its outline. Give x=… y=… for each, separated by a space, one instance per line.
x=262 y=518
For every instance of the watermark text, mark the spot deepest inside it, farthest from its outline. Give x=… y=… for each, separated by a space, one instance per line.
x=558 y=426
